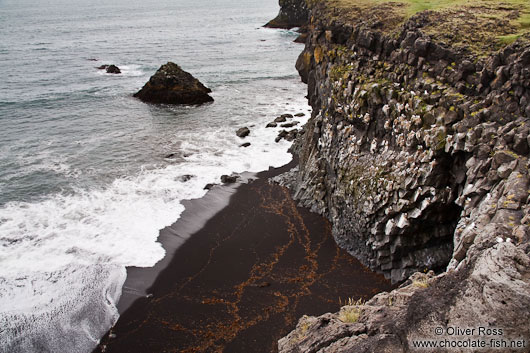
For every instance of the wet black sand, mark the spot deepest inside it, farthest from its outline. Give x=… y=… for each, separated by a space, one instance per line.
x=243 y=280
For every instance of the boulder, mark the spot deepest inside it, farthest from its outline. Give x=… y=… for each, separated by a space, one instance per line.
x=228 y=179
x=243 y=132
x=113 y=69
x=186 y=177
x=172 y=85
x=290 y=124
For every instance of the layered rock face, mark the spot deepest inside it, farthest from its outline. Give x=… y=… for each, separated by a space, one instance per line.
x=418 y=153
x=293 y=13
x=172 y=85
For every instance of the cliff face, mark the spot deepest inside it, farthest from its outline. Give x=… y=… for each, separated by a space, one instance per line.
x=418 y=153
x=293 y=13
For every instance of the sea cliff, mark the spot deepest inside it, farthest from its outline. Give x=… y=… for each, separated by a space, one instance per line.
x=417 y=151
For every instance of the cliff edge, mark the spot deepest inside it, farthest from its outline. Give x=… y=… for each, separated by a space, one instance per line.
x=418 y=152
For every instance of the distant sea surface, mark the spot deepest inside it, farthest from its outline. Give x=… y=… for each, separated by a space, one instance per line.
x=89 y=174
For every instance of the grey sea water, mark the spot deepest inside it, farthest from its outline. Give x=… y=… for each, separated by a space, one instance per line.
x=84 y=182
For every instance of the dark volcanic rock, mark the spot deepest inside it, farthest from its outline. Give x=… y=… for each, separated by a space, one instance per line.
x=271 y=125
x=374 y=146
x=287 y=135
x=293 y=13
x=186 y=177
x=280 y=119
x=246 y=144
x=172 y=85
x=243 y=132
x=290 y=124
x=228 y=179
x=113 y=69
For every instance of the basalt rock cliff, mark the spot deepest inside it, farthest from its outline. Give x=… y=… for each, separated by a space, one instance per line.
x=293 y=13
x=418 y=153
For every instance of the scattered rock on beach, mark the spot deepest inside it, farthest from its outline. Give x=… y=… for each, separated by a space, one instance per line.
x=291 y=124
x=172 y=85
x=287 y=135
x=228 y=179
x=243 y=132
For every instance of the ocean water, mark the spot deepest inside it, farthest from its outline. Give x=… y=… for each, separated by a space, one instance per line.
x=84 y=182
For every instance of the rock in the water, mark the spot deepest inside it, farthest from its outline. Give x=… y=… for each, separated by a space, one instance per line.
x=228 y=179
x=208 y=186
x=186 y=177
x=243 y=132
x=271 y=125
x=246 y=144
x=113 y=69
x=299 y=114
x=280 y=119
x=103 y=67
x=290 y=124
x=287 y=135
x=172 y=85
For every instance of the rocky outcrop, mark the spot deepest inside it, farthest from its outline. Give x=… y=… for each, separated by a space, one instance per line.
x=172 y=85
x=293 y=13
x=418 y=153
x=110 y=69
x=113 y=69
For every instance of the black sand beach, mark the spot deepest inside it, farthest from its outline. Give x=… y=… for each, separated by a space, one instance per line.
x=243 y=280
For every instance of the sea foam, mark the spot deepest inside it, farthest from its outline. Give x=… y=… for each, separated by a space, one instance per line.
x=73 y=248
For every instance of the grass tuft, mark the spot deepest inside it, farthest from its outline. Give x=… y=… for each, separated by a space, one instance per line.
x=352 y=310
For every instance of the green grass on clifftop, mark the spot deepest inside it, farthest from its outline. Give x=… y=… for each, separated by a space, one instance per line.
x=480 y=26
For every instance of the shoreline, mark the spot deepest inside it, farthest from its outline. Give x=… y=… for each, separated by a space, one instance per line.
x=252 y=264
x=195 y=215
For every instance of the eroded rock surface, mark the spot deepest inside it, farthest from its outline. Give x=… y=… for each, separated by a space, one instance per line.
x=172 y=85
x=418 y=153
x=293 y=13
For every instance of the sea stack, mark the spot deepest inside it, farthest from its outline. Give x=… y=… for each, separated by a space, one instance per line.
x=172 y=85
